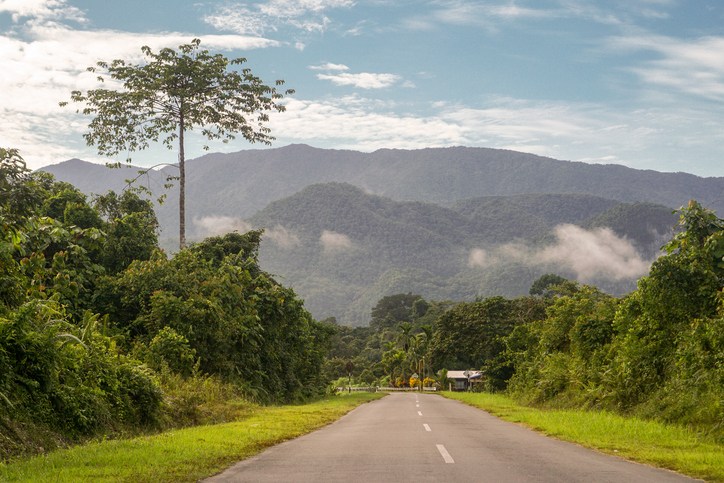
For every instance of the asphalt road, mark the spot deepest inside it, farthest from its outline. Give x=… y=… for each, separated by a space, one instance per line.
x=424 y=437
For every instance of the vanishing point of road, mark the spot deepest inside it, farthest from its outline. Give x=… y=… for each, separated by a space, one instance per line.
x=425 y=437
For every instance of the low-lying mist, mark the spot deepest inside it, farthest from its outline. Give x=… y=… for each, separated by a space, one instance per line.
x=334 y=242
x=588 y=254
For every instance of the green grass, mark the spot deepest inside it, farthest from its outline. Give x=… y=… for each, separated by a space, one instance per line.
x=182 y=455
x=667 y=446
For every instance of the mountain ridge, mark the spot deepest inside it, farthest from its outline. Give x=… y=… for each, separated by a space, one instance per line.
x=240 y=184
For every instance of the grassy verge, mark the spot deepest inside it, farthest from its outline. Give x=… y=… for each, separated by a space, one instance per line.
x=658 y=444
x=182 y=455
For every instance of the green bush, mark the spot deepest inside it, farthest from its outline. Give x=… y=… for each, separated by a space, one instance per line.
x=70 y=378
x=694 y=392
x=170 y=349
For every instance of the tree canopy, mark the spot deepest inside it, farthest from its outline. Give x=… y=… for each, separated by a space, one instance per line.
x=170 y=93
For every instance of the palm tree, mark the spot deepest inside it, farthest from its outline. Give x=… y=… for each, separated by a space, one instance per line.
x=405 y=335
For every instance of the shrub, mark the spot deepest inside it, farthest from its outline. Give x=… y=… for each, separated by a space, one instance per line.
x=170 y=349
x=71 y=378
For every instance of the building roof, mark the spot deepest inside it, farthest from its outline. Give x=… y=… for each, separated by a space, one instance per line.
x=464 y=374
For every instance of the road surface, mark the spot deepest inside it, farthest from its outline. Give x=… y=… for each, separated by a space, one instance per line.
x=425 y=437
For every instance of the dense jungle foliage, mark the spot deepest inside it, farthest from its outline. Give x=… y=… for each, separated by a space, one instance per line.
x=657 y=352
x=101 y=333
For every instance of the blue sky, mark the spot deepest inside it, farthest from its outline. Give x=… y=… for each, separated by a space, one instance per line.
x=633 y=82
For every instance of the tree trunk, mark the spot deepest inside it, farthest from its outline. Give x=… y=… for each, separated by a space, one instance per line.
x=181 y=185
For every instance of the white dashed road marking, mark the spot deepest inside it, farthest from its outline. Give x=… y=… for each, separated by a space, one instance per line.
x=419 y=413
x=427 y=428
x=445 y=455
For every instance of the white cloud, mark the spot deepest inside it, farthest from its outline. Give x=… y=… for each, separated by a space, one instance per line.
x=270 y=16
x=693 y=67
x=660 y=138
x=478 y=258
x=511 y=11
x=593 y=254
x=354 y=122
x=334 y=242
x=216 y=225
x=319 y=25
x=336 y=74
x=589 y=254
x=329 y=67
x=492 y=16
x=298 y=8
x=41 y=10
x=49 y=61
x=238 y=19
x=486 y=15
x=281 y=237
x=363 y=80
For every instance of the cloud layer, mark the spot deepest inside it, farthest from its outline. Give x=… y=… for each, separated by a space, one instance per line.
x=281 y=237
x=259 y=19
x=590 y=255
x=363 y=80
x=216 y=225
x=334 y=242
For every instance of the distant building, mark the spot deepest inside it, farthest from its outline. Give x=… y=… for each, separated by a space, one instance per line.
x=463 y=380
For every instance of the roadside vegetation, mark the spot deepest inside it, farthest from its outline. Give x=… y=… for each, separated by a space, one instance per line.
x=103 y=335
x=186 y=454
x=665 y=445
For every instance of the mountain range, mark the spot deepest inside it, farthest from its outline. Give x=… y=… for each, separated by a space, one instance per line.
x=345 y=228
x=240 y=184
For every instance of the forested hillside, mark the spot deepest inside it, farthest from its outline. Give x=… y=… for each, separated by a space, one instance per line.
x=343 y=249
x=239 y=184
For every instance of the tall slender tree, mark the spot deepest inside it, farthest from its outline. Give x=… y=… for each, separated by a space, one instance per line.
x=170 y=93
